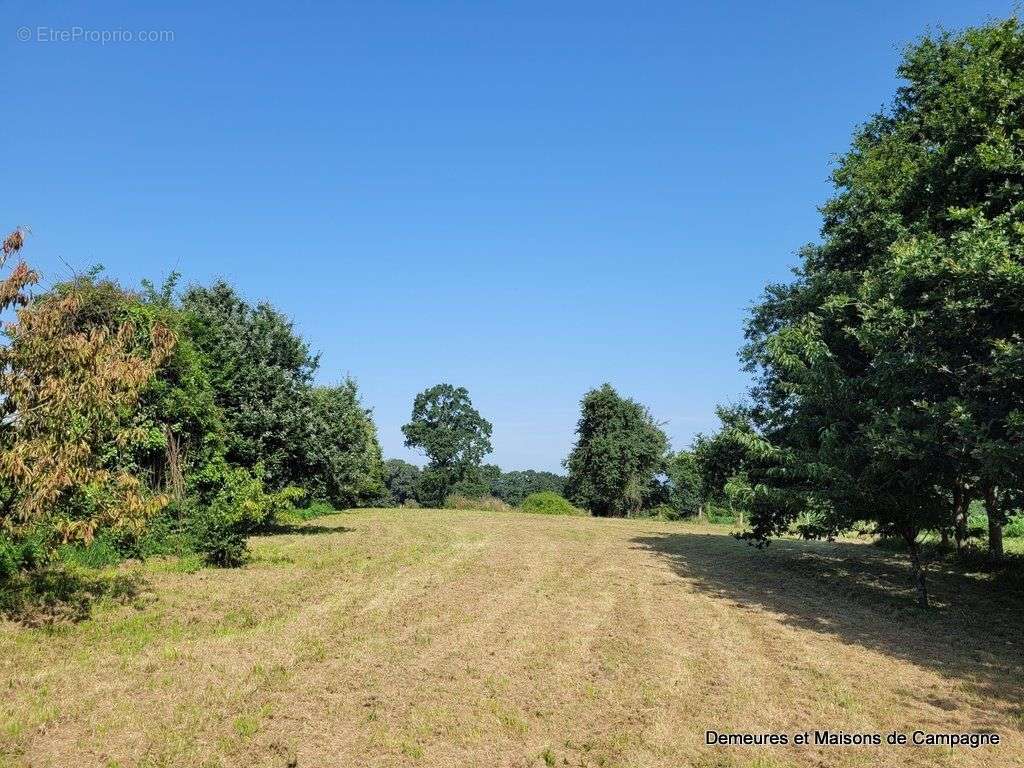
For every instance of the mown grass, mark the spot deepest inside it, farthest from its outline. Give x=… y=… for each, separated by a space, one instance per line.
x=426 y=637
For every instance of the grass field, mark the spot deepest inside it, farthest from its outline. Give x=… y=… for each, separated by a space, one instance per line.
x=453 y=638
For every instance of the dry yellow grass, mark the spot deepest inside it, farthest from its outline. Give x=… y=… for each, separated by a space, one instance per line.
x=452 y=638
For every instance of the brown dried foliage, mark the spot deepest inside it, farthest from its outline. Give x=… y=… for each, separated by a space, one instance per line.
x=70 y=385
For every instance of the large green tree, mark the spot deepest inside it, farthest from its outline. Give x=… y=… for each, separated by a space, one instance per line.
x=686 y=495
x=453 y=435
x=261 y=373
x=619 y=450
x=178 y=407
x=889 y=370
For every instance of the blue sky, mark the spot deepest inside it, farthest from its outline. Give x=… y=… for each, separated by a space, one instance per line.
x=525 y=199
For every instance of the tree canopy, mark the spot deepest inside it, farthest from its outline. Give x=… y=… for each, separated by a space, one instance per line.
x=889 y=370
x=619 y=449
x=260 y=371
x=453 y=435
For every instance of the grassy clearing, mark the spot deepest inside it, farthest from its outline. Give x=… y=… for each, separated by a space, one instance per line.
x=436 y=638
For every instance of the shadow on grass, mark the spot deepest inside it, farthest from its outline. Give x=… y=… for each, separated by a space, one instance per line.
x=864 y=595
x=302 y=529
x=56 y=594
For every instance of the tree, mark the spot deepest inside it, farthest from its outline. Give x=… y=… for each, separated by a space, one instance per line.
x=513 y=487
x=401 y=480
x=889 y=370
x=178 y=406
x=260 y=371
x=342 y=461
x=684 y=480
x=476 y=482
x=452 y=434
x=71 y=376
x=719 y=457
x=619 y=450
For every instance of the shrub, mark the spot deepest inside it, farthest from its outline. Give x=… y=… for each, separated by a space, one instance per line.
x=664 y=512
x=1014 y=528
x=661 y=511
x=239 y=506
x=102 y=551
x=21 y=554
x=316 y=509
x=167 y=533
x=482 y=503
x=218 y=534
x=549 y=503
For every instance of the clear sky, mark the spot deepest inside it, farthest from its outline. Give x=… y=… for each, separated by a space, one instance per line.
x=525 y=199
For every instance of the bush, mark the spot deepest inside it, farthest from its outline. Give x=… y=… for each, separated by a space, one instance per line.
x=315 y=509
x=101 y=552
x=167 y=534
x=19 y=555
x=218 y=534
x=239 y=507
x=664 y=512
x=718 y=514
x=482 y=503
x=1014 y=529
x=549 y=503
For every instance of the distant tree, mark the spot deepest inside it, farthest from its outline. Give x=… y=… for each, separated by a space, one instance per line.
x=684 y=480
x=452 y=434
x=513 y=487
x=477 y=482
x=489 y=475
x=721 y=456
x=435 y=486
x=342 y=456
x=401 y=480
x=619 y=450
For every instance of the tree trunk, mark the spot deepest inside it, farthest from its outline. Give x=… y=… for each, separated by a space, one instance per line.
x=961 y=506
x=944 y=533
x=175 y=465
x=995 y=525
x=995 y=540
x=700 y=513
x=919 y=576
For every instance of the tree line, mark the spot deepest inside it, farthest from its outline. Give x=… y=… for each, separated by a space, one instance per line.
x=889 y=376
x=621 y=464
x=162 y=423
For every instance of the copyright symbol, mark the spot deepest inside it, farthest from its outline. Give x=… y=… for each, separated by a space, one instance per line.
x=24 y=34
